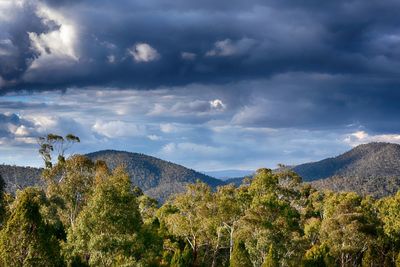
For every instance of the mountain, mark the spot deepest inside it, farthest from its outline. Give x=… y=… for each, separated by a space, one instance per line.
x=17 y=177
x=228 y=174
x=372 y=168
x=368 y=160
x=156 y=177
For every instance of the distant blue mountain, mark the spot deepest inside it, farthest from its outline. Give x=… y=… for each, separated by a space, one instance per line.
x=228 y=174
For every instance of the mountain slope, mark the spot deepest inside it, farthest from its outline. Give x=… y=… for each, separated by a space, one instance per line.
x=369 y=169
x=156 y=177
x=17 y=177
x=368 y=160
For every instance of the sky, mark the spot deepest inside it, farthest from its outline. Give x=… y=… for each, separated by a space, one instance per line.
x=211 y=85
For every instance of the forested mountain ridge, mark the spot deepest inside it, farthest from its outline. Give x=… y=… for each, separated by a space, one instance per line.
x=157 y=178
x=368 y=169
x=372 y=169
x=367 y=160
x=17 y=177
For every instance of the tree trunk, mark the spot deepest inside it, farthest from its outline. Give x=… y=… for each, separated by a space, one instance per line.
x=231 y=229
x=214 y=260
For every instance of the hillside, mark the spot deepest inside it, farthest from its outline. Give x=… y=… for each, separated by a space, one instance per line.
x=369 y=169
x=368 y=160
x=156 y=177
x=17 y=177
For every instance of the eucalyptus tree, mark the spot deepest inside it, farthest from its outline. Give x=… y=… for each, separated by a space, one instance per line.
x=186 y=217
x=107 y=231
x=271 y=222
x=70 y=184
x=347 y=228
x=28 y=238
x=53 y=143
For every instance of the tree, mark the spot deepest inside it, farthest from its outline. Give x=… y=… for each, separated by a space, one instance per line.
x=70 y=185
x=389 y=213
x=182 y=258
x=346 y=228
x=271 y=219
x=107 y=231
x=231 y=204
x=316 y=256
x=240 y=257
x=27 y=239
x=187 y=214
x=55 y=143
x=271 y=260
x=3 y=208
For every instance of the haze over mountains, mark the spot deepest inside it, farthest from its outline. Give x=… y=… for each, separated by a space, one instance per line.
x=229 y=174
x=372 y=168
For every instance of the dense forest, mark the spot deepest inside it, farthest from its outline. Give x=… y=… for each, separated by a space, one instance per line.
x=89 y=215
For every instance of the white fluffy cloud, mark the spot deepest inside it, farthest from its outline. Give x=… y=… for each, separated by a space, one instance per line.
x=115 y=129
x=362 y=137
x=143 y=52
x=56 y=47
x=217 y=104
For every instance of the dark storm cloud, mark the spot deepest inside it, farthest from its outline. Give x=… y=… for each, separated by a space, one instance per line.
x=15 y=48
x=228 y=40
x=320 y=101
x=281 y=64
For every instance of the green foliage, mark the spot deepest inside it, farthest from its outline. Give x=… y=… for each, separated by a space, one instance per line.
x=182 y=258
x=70 y=185
x=316 y=256
x=271 y=260
x=3 y=203
x=390 y=215
x=55 y=143
x=101 y=219
x=347 y=227
x=271 y=222
x=157 y=178
x=107 y=231
x=240 y=257
x=27 y=239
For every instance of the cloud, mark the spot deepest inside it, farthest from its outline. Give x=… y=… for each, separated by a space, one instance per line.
x=296 y=122
x=154 y=137
x=168 y=128
x=57 y=43
x=362 y=137
x=16 y=130
x=117 y=129
x=188 y=108
x=228 y=48
x=86 y=43
x=217 y=104
x=143 y=52
x=2 y=82
x=179 y=149
x=188 y=56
